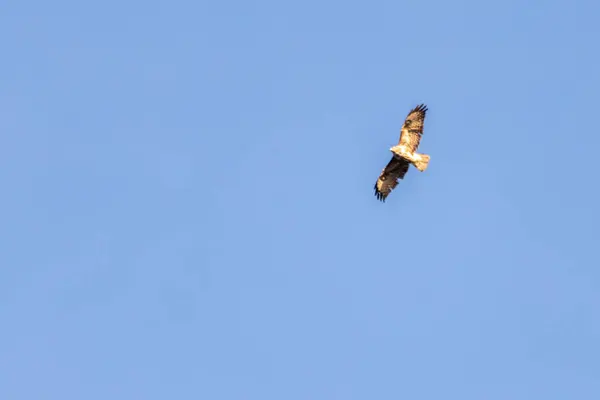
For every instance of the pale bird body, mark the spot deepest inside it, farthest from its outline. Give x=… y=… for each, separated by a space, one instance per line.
x=420 y=161
x=404 y=153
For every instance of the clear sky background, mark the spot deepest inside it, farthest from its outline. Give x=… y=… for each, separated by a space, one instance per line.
x=187 y=200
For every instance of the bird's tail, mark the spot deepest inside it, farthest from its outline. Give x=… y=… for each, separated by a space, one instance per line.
x=422 y=162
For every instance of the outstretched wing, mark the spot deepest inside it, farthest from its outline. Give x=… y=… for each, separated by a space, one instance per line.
x=412 y=129
x=388 y=179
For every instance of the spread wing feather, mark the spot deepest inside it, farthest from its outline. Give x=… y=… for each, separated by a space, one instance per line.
x=388 y=179
x=412 y=129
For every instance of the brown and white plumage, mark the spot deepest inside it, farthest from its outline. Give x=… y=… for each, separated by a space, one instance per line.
x=404 y=153
x=388 y=179
x=412 y=129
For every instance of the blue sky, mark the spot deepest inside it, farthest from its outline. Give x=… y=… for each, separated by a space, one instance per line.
x=188 y=212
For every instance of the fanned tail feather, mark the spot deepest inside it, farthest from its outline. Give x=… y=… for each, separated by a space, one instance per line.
x=422 y=163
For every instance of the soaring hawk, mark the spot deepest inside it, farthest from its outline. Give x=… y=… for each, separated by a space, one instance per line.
x=404 y=153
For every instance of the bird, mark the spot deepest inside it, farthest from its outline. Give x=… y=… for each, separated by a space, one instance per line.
x=404 y=153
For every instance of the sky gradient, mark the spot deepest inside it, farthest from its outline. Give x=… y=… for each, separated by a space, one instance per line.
x=188 y=208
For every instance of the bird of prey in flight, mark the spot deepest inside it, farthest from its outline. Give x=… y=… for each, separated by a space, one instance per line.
x=404 y=153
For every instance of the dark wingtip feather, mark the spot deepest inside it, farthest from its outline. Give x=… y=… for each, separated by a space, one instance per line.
x=379 y=195
x=421 y=108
